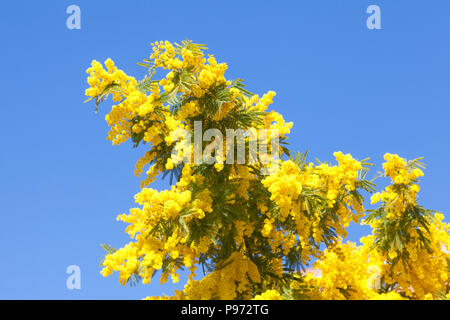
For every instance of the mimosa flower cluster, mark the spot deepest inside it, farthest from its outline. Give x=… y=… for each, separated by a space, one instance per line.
x=253 y=235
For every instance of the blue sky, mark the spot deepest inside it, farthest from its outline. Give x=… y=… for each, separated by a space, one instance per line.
x=364 y=92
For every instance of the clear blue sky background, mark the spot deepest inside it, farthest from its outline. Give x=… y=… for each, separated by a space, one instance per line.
x=345 y=88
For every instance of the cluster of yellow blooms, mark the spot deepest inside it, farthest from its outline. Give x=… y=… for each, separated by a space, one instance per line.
x=257 y=232
x=334 y=184
x=396 y=198
x=348 y=272
x=269 y=295
x=235 y=280
x=146 y=255
x=371 y=271
x=418 y=263
x=362 y=273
